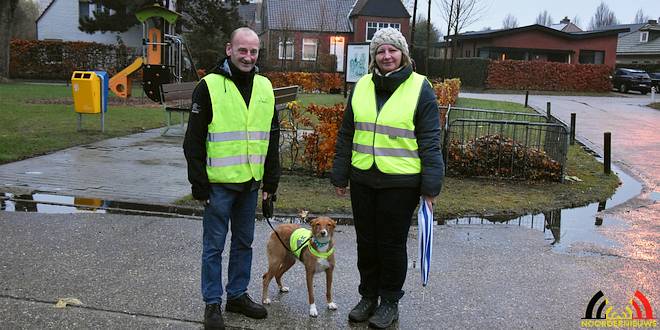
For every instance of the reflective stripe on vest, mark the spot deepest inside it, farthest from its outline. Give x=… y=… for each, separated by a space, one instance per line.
x=386 y=137
x=238 y=135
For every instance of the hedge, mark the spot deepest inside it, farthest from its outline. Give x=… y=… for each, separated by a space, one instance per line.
x=308 y=81
x=548 y=76
x=42 y=59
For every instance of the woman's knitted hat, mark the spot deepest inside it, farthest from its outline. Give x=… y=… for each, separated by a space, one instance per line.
x=390 y=36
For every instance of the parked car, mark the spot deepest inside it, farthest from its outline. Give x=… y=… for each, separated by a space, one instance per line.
x=631 y=80
x=655 y=80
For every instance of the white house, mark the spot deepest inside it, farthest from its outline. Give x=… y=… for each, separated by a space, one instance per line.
x=59 y=21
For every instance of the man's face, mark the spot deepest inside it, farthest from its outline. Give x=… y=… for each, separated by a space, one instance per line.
x=243 y=50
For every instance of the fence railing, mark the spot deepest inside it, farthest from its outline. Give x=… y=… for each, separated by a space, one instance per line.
x=505 y=148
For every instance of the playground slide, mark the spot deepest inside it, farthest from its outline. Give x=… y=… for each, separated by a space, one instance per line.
x=120 y=84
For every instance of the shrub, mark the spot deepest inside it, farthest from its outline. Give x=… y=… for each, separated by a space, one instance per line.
x=549 y=76
x=320 y=144
x=309 y=82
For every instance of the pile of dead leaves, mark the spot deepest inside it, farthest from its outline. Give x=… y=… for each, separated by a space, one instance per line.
x=498 y=156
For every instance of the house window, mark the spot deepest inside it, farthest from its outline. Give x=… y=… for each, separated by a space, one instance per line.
x=372 y=27
x=644 y=36
x=309 y=48
x=83 y=9
x=467 y=53
x=289 y=50
x=592 y=57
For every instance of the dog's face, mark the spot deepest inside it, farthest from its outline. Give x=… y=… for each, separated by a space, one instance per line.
x=323 y=228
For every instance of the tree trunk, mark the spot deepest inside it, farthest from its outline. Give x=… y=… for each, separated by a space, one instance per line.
x=7 y=10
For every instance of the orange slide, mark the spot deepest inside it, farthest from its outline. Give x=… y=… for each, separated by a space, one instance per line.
x=120 y=84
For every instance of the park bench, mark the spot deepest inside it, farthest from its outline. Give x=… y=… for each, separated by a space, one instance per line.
x=176 y=98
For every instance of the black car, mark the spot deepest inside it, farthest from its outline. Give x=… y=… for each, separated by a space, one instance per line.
x=631 y=80
x=655 y=80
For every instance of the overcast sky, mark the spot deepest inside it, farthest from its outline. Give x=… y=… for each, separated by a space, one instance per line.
x=525 y=11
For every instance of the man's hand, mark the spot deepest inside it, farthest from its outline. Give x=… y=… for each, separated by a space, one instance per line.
x=267 y=207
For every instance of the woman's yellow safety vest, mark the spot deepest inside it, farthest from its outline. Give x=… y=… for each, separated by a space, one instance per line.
x=386 y=137
x=237 y=140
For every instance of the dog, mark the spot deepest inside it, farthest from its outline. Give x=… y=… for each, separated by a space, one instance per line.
x=317 y=254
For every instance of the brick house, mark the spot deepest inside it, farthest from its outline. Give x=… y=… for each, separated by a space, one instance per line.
x=540 y=43
x=312 y=35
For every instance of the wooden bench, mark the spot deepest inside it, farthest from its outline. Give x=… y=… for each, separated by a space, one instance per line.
x=176 y=98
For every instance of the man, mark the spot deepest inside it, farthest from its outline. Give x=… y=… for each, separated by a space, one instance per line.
x=231 y=146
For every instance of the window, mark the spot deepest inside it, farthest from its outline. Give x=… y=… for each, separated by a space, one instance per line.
x=467 y=53
x=644 y=36
x=372 y=27
x=83 y=9
x=289 y=51
x=309 y=48
x=592 y=57
x=101 y=9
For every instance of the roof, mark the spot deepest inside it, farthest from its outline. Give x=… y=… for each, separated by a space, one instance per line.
x=380 y=8
x=629 y=43
x=540 y=28
x=309 y=15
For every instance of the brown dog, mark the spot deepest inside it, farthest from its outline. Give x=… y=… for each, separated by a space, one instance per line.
x=316 y=254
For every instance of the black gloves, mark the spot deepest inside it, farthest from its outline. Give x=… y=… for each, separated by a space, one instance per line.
x=267 y=206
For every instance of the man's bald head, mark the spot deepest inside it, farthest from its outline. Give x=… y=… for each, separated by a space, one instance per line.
x=243 y=48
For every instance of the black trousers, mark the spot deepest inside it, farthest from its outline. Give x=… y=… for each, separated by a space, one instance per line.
x=382 y=219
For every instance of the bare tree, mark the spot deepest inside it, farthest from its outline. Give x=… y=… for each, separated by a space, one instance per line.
x=458 y=14
x=640 y=17
x=577 y=21
x=7 y=10
x=509 y=22
x=24 y=17
x=602 y=18
x=543 y=18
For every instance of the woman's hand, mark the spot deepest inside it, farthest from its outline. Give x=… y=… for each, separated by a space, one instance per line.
x=340 y=191
x=429 y=201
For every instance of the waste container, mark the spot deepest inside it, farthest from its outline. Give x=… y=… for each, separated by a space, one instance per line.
x=105 y=84
x=86 y=86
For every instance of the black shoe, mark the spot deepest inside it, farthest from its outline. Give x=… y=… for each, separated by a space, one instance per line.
x=246 y=306
x=385 y=315
x=363 y=309
x=213 y=317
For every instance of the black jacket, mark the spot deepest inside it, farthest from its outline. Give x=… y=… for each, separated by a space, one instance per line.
x=427 y=131
x=194 y=144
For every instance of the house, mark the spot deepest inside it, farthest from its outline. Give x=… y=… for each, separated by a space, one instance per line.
x=565 y=25
x=59 y=21
x=539 y=43
x=640 y=45
x=312 y=35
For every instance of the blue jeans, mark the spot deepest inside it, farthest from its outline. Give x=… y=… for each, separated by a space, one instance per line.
x=227 y=207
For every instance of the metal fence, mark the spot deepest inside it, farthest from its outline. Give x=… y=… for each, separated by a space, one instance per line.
x=505 y=148
x=454 y=113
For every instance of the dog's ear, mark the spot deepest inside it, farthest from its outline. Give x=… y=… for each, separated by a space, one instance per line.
x=313 y=222
x=333 y=222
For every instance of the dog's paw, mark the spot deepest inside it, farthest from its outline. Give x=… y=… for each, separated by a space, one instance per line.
x=266 y=301
x=312 y=310
x=332 y=306
x=284 y=289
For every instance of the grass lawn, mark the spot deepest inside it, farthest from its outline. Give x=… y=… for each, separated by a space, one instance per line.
x=655 y=105
x=39 y=118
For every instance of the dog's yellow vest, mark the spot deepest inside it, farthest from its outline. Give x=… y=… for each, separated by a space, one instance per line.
x=302 y=236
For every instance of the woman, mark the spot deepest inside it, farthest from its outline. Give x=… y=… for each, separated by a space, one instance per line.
x=388 y=147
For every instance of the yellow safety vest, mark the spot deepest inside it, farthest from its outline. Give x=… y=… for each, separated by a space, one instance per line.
x=386 y=137
x=303 y=236
x=238 y=136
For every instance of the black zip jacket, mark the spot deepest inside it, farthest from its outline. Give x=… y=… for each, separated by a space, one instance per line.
x=427 y=131
x=194 y=144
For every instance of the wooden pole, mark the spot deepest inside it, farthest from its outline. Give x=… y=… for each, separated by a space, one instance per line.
x=572 y=140
x=607 y=158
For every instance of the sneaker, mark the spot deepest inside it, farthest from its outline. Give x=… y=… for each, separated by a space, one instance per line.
x=363 y=309
x=385 y=315
x=213 y=317
x=246 y=306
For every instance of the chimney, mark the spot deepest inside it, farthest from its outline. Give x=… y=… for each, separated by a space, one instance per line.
x=565 y=20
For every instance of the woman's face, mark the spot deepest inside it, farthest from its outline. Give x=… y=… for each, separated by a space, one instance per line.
x=388 y=58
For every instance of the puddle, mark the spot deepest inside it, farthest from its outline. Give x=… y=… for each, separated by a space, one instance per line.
x=58 y=204
x=563 y=227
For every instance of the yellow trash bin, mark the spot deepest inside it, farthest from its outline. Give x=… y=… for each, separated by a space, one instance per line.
x=86 y=87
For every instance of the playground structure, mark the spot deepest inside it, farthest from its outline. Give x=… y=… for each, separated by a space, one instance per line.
x=165 y=57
